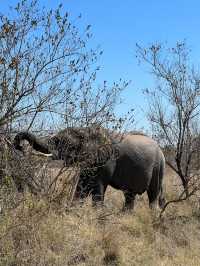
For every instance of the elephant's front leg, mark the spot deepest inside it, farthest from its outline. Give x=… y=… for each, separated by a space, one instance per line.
x=98 y=192
x=129 y=199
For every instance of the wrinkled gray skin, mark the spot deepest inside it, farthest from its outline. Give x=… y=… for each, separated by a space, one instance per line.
x=138 y=167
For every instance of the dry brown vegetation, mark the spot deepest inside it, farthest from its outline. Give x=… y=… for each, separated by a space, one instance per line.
x=34 y=232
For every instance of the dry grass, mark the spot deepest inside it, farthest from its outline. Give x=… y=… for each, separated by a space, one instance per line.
x=36 y=233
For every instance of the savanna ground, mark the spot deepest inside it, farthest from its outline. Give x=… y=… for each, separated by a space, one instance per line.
x=36 y=233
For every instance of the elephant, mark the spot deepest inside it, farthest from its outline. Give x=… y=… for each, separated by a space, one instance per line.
x=133 y=165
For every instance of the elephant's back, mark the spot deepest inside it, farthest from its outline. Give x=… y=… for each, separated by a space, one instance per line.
x=144 y=148
x=139 y=138
x=139 y=143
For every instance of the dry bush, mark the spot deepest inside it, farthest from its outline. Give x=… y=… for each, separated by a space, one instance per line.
x=20 y=173
x=36 y=233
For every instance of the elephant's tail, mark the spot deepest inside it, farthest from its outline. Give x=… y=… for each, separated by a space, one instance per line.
x=162 y=200
x=33 y=141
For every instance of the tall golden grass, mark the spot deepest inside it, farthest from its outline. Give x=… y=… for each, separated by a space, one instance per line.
x=34 y=232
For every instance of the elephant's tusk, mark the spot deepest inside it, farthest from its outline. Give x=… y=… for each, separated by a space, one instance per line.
x=42 y=154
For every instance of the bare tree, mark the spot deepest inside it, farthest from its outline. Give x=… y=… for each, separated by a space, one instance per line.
x=46 y=70
x=48 y=73
x=175 y=106
x=47 y=80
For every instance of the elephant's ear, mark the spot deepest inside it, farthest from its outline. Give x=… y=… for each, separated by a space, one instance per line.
x=105 y=153
x=99 y=135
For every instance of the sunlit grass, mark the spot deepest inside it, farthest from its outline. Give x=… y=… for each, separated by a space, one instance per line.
x=36 y=233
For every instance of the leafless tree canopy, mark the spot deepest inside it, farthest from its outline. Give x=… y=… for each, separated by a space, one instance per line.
x=175 y=106
x=48 y=71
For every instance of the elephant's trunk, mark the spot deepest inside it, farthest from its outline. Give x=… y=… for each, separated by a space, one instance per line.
x=33 y=141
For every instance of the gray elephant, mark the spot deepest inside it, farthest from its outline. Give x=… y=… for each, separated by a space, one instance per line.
x=134 y=165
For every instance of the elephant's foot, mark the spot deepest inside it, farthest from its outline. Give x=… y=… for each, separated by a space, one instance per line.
x=97 y=204
x=128 y=208
x=162 y=202
x=154 y=197
x=154 y=206
x=97 y=200
x=129 y=201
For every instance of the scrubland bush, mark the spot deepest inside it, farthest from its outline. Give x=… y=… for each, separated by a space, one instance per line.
x=37 y=232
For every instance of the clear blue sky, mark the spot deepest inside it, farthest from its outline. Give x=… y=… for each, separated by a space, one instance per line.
x=118 y=25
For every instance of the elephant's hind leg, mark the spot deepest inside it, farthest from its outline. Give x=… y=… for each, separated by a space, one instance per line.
x=129 y=199
x=162 y=200
x=153 y=191
x=153 y=199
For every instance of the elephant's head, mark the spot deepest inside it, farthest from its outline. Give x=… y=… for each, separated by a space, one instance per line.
x=88 y=146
